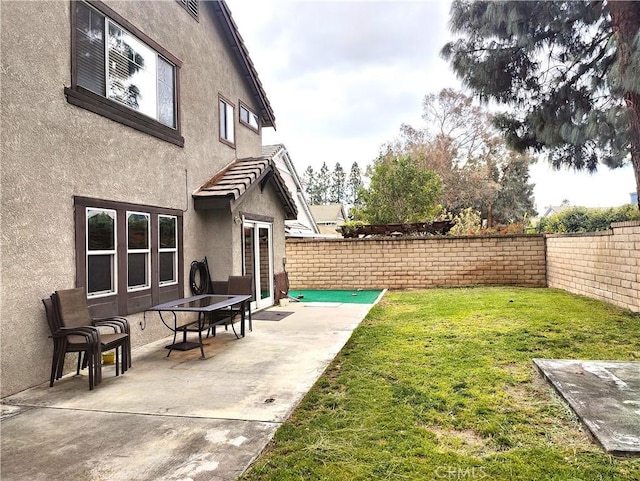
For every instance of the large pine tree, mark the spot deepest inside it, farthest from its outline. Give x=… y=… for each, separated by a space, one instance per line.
x=323 y=184
x=309 y=182
x=338 y=187
x=570 y=70
x=354 y=184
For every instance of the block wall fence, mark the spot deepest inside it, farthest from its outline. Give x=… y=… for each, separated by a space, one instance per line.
x=397 y=263
x=604 y=265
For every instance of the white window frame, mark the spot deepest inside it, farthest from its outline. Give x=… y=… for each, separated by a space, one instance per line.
x=111 y=252
x=146 y=251
x=226 y=122
x=174 y=250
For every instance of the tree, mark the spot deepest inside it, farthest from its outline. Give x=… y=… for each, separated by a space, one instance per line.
x=338 y=188
x=309 y=181
x=459 y=142
x=323 y=184
x=354 y=184
x=400 y=192
x=514 y=199
x=569 y=70
x=467 y=222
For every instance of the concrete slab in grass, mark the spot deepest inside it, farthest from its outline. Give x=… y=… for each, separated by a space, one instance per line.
x=604 y=394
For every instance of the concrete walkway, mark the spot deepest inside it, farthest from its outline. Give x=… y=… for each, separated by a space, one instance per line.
x=176 y=418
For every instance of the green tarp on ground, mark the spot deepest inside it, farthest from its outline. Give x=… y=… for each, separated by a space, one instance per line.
x=355 y=296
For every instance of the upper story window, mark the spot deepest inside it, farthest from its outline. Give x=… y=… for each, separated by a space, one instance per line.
x=248 y=118
x=191 y=6
x=226 y=115
x=114 y=65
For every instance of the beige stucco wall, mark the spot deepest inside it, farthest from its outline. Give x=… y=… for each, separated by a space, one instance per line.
x=52 y=151
x=603 y=265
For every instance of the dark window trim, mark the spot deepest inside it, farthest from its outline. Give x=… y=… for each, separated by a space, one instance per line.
x=256 y=217
x=220 y=137
x=115 y=204
x=242 y=105
x=104 y=107
x=120 y=302
x=110 y=109
x=123 y=22
x=192 y=7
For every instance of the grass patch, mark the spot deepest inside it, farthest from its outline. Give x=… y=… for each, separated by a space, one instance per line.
x=439 y=384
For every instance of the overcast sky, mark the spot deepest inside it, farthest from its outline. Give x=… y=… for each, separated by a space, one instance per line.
x=342 y=76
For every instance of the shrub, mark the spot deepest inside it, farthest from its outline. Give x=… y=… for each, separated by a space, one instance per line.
x=583 y=219
x=467 y=222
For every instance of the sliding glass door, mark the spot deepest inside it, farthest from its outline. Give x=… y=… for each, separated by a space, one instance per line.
x=258 y=261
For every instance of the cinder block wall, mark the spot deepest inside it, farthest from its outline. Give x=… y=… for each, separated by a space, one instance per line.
x=603 y=265
x=416 y=262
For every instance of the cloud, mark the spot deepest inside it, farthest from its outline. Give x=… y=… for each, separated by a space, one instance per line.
x=346 y=104
x=342 y=76
x=349 y=36
x=346 y=69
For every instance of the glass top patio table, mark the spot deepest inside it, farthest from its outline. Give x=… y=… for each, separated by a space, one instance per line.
x=202 y=304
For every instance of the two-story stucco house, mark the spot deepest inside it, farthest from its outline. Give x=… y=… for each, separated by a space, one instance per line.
x=131 y=146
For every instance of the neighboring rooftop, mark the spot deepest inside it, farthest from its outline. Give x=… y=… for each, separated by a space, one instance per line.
x=304 y=225
x=328 y=213
x=555 y=209
x=329 y=217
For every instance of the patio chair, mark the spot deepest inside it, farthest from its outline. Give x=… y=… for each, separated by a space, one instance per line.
x=242 y=285
x=70 y=311
x=82 y=340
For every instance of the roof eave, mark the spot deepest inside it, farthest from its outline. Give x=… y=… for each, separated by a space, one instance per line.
x=209 y=195
x=230 y=28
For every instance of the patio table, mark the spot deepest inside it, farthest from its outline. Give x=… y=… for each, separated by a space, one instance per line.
x=203 y=305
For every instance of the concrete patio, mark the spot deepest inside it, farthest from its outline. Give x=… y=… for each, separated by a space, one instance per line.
x=177 y=417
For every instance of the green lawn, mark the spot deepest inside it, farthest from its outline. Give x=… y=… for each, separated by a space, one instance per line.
x=439 y=384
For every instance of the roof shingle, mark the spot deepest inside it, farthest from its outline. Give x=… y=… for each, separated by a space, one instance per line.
x=225 y=189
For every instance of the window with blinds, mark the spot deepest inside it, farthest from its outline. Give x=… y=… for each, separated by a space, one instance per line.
x=135 y=75
x=115 y=61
